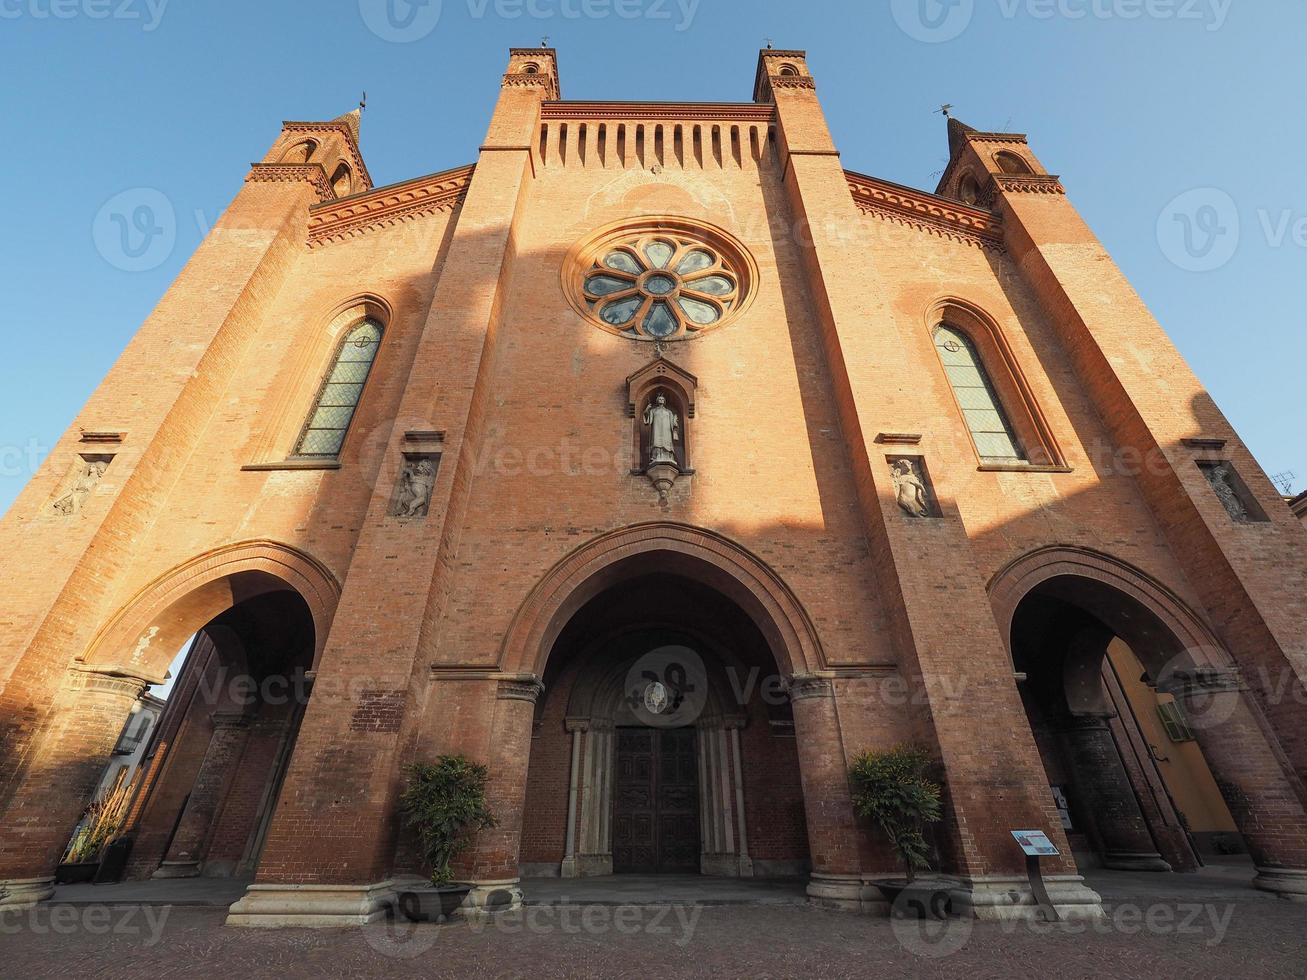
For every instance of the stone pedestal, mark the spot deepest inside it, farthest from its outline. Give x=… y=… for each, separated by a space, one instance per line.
x=275 y=906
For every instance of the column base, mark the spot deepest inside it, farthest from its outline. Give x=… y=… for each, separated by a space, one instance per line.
x=846 y=893
x=276 y=906
x=591 y=865
x=23 y=893
x=1135 y=861
x=492 y=897
x=1288 y=883
x=177 y=869
x=1005 y=897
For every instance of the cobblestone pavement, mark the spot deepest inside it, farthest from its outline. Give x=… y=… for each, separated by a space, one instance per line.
x=1181 y=936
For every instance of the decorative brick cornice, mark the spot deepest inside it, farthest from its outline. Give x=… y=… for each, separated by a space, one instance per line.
x=793 y=81
x=335 y=126
x=997 y=137
x=925 y=211
x=292 y=173
x=744 y=112
x=524 y=79
x=1029 y=184
x=351 y=216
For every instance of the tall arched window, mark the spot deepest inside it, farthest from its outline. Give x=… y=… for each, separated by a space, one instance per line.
x=995 y=439
x=324 y=432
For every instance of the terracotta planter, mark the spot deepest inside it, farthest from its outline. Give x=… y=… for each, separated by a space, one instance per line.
x=74 y=874
x=435 y=903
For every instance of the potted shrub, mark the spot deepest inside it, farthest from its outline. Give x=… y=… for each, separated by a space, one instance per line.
x=445 y=803
x=895 y=789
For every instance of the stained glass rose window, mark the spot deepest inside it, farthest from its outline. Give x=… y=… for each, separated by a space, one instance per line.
x=661 y=283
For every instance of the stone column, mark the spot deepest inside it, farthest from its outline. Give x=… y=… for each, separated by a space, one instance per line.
x=1251 y=772
x=496 y=883
x=836 y=881
x=189 y=843
x=86 y=720
x=717 y=854
x=745 y=863
x=1108 y=797
x=594 y=821
x=577 y=727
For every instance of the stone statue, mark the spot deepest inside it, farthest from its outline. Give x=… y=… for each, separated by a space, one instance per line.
x=71 y=502
x=665 y=431
x=1222 y=482
x=910 y=488
x=415 y=485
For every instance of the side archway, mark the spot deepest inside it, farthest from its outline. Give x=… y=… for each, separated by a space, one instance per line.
x=141 y=638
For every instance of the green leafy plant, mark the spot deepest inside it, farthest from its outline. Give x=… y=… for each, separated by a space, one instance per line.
x=445 y=802
x=896 y=791
x=103 y=819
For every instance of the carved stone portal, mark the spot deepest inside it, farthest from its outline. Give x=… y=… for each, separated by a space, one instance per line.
x=87 y=472
x=416 y=481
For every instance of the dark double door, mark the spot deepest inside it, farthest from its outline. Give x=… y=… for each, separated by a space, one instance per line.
x=656 y=802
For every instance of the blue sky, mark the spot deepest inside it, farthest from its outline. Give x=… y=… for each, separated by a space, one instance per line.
x=1133 y=102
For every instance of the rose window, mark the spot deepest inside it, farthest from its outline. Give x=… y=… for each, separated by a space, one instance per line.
x=666 y=281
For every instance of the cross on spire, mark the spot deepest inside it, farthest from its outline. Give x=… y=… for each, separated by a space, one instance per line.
x=945 y=109
x=363 y=102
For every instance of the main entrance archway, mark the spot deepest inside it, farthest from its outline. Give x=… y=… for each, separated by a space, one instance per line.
x=664 y=742
x=571 y=757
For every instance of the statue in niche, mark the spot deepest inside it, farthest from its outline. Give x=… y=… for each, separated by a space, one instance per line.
x=416 y=482
x=910 y=488
x=1222 y=481
x=665 y=431
x=92 y=470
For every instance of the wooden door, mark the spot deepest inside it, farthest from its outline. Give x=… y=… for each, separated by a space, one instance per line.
x=656 y=802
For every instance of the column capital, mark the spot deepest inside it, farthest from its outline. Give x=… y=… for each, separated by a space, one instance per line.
x=108 y=680
x=803 y=686
x=230 y=718
x=520 y=687
x=1192 y=681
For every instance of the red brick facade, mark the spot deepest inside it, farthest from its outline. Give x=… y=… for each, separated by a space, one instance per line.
x=487 y=621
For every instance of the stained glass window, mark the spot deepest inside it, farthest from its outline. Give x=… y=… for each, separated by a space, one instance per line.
x=657 y=286
x=996 y=442
x=324 y=432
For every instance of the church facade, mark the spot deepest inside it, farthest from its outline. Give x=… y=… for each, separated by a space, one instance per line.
x=664 y=466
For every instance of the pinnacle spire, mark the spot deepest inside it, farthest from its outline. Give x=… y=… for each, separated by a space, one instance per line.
x=352 y=119
x=957 y=132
